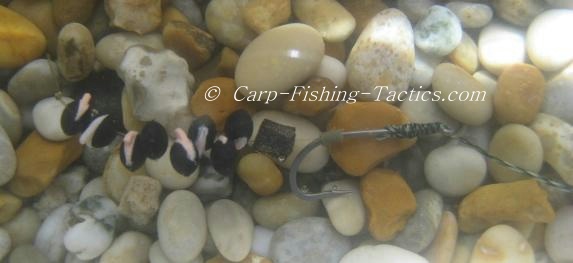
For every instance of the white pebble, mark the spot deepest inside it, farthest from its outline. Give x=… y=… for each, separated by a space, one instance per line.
x=501 y=45
x=262 y=241
x=346 y=212
x=50 y=237
x=231 y=228
x=333 y=70
x=549 y=40
x=47 y=114
x=559 y=236
x=381 y=254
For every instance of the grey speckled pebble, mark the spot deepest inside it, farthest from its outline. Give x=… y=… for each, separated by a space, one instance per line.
x=423 y=225
x=310 y=239
x=439 y=32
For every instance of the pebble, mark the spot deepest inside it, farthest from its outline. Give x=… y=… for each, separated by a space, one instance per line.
x=221 y=108
x=424 y=66
x=22 y=41
x=465 y=54
x=156 y=255
x=130 y=247
x=10 y=118
x=385 y=217
x=519 y=94
x=346 y=212
x=439 y=32
x=190 y=9
x=363 y=11
x=305 y=132
x=110 y=50
x=262 y=238
x=227 y=62
x=93 y=188
x=115 y=176
x=72 y=181
x=39 y=161
x=231 y=228
x=379 y=61
x=27 y=254
x=172 y=14
x=557 y=144
x=415 y=9
x=181 y=226
x=142 y=16
x=520 y=201
x=358 y=156
x=8 y=158
x=162 y=170
x=277 y=61
x=329 y=17
x=190 y=42
x=502 y=243
x=501 y=45
x=426 y=111
x=274 y=211
x=381 y=254
x=260 y=173
x=332 y=69
x=558 y=235
x=558 y=93
x=9 y=206
x=487 y=80
x=23 y=227
x=518 y=145
x=476 y=109
x=153 y=98
x=76 y=52
x=5 y=243
x=471 y=15
x=47 y=114
x=262 y=15
x=40 y=13
x=33 y=82
x=455 y=170
x=69 y=11
x=547 y=47
x=299 y=104
x=50 y=237
x=441 y=250
x=310 y=239
x=422 y=227
x=519 y=12
x=53 y=197
x=224 y=20
x=140 y=200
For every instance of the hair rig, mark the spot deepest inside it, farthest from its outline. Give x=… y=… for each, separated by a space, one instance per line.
x=410 y=130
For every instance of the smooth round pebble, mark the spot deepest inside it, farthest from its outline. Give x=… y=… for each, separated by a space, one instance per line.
x=501 y=45
x=346 y=212
x=423 y=225
x=27 y=254
x=23 y=227
x=502 y=243
x=381 y=254
x=5 y=243
x=471 y=15
x=310 y=239
x=7 y=158
x=518 y=12
x=50 y=237
x=548 y=46
x=93 y=188
x=332 y=69
x=559 y=236
x=47 y=114
x=262 y=238
x=465 y=54
x=455 y=170
x=518 y=145
x=224 y=20
x=181 y=226
x=260 y=173
x=76 y=52
x=129 y=247
x=487 y=80
x=231 y=228
x=10 y=118
x=329 y=17
x=439 y=32
x=33 y=82
x=276 y=60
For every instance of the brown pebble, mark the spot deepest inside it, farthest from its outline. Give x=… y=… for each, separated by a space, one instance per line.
x=228 y=59
x=260 y=173
x=9 y=206
x=190 y=42
x=304 y=104
x=40 y=12
x=262 y=15
x=172 y=14
x=20 y=40
x=390 y=203
x=519 y=94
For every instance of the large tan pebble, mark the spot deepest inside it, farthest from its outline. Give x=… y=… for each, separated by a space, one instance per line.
x=502 y=244
x=181 y=226
x=41 y=13
x=260 y=173
x=329 y=17
x=463 y=97
x=224 y=20
x=518 y=145
x=231 y=228
x=376 y=60
x=111 y=49
x=21 y=40
x=519 y=94
x=76 y=52
x=277 y=61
